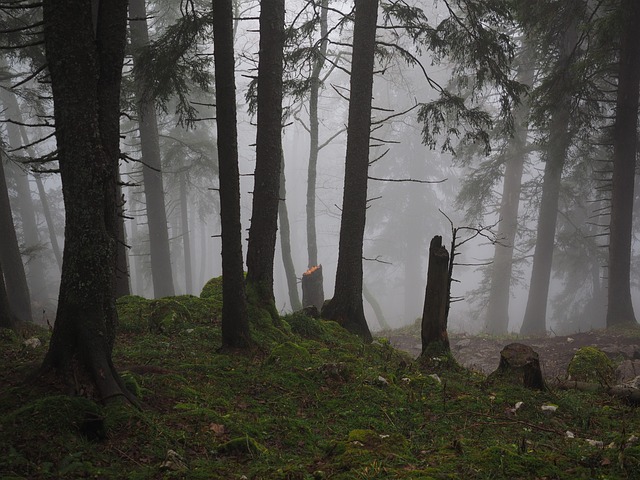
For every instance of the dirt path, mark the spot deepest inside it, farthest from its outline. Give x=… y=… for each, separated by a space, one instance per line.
x=483 y=354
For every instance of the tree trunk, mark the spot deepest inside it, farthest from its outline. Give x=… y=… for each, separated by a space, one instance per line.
x=346 y=305
x=625 y=137
x=235 y=319
x=534 y=322
x=53 y=238
x=35 y=266
x=313 y=288
x=15 y=278
x=85 y=61
x=264 y=216
x=520 y=365
x=161 y=270
x=371 y=300
x=6 y=317
x=314 y=128
x=123 y=280
x=435 y=339
x=285 y=244
x=497 y=317
x=186 y=235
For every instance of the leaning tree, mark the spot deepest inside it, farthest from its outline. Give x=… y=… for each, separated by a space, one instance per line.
x=85 y=54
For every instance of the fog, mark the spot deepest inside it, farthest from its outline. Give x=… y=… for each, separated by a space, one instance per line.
x=402 y=217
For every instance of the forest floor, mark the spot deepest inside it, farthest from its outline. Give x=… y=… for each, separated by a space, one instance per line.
x=482 y=352
x=308 y=402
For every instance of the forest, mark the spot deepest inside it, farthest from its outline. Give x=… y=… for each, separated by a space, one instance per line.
x=309 y=239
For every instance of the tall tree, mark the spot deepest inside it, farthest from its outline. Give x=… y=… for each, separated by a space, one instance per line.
x=285 y=243
x=266 y=197
x=15 y=278
x=625 y=138
x=235 y=319
x=346 y=305
x=6 y=316
x=559 y=139
x=161 y=270
x=85 y=54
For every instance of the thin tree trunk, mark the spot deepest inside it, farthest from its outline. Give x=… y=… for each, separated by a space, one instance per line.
x=235 y=319
x=314 y=128
x=15 y=278
x=285 y=244
x=53 y=238
x=435 y=339
x=152 y=168
x=123 y=280
x=534 y=322
x=497 y=317
x=625 y=137
x=186 y=235
x=371 y=300
x=6 y=317
x=346 y=305
x=266 y=198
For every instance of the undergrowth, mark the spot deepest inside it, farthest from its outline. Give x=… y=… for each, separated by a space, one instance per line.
x=309 y=401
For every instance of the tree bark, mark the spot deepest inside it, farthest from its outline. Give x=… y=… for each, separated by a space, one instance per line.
x=313 y=288
x=85 y=61
x=346 y=305
x=264 y=216
x=123 y=280
x=435 y=339
x=161 y=269
x=534 y=322
x=314 y=129
x=625 y=137
x=285 y=244
x=497 y=316
x=6 y=317
x=15 y=278
x=235 y=319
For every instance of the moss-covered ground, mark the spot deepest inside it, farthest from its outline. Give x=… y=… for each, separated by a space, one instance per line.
x=310 y=401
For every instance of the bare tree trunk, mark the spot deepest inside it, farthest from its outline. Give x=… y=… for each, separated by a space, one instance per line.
x=186 y=235
x=152 y=168
x=371 y=300
x=314 y=124
x=53 y=238
x=235 y=319
x=497 y=317
x=15 y=278
x=435 y=339
x=264 y=213
x=625 y=138
x=346 y=305
x=285 y=244
x=6 y=317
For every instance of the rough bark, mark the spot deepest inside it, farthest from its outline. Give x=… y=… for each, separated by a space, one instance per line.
x=264 y=216
x=534 y=322
x=435 y=339
x=497 y=316
x=285 y=244
x=85 y=61
x=161 y=270
x=15 y=278
x=235 y=319
x=314 y=135
x=625 y=137
x=520 y=364
x=346 y=305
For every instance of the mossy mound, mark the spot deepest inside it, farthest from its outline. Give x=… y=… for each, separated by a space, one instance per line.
x=365 y=446
x=305 y=326
x=289 y=353
x=212 y=290
x=590 y=364
x=242 y=446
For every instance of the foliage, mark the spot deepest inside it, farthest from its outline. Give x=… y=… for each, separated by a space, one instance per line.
x=317 y=405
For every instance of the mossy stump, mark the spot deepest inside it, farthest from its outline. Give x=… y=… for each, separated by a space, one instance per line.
x=520 y=364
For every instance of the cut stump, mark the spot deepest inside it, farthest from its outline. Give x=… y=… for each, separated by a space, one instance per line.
x=435 y=340
x=312 y=288
x=520 y=364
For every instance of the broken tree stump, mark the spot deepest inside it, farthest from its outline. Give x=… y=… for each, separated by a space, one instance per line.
x=312 y=288
x=520 y=364
x=435 y=340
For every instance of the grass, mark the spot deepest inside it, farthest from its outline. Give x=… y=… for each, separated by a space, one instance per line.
x=309 y=402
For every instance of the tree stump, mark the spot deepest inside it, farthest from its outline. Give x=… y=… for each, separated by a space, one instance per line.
x=520 y=364
x=435 y=340
x=312 y=287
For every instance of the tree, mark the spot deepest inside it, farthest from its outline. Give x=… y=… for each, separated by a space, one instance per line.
x=266 y=196
x=625 y=136
x=85 y=55
x=235 y=319
x=6 y=316
x=346 y=305
x=152 y=168
x=15 y=279
x=285 y=243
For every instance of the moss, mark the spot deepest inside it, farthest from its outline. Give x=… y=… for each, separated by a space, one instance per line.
x=131 y=383
x=305 y=325
x=242 y=446
x=589 y=364
x=213 y=290
x=289 y=353
x=133 y=312
x=8 y=336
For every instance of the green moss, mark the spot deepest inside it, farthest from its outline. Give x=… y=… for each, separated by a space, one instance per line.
x=131 y=383
x=8 y=336
x=242 y=446
x=305 y=326
x=289 y=353
x=589 y=364
x=212 y=290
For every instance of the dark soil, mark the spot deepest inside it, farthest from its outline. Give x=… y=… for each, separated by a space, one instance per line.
x=482 y=353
